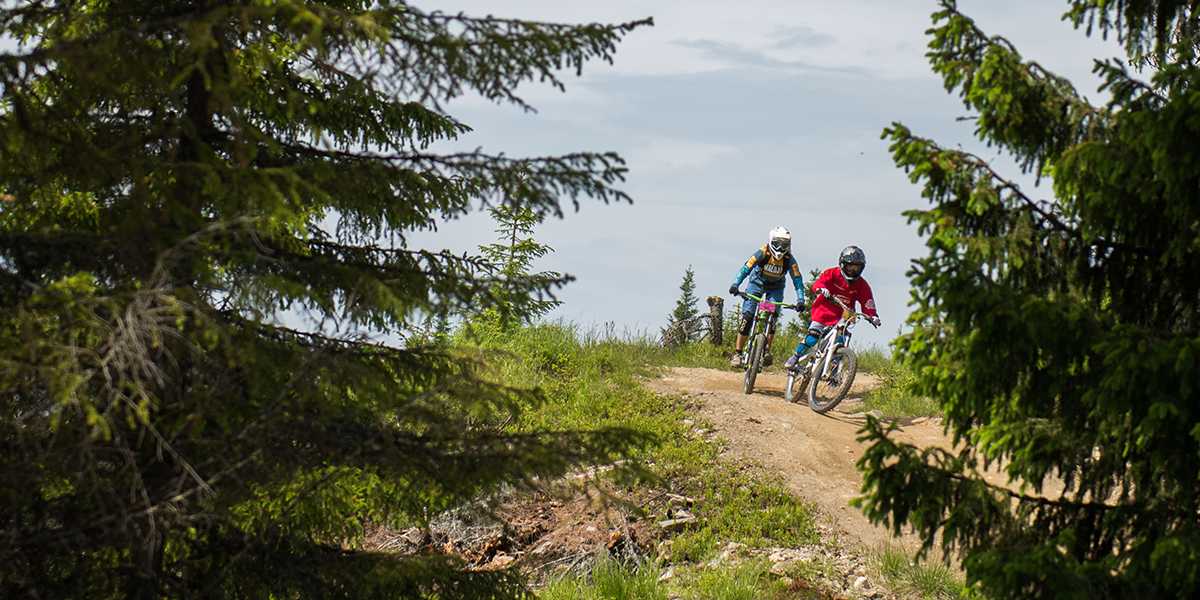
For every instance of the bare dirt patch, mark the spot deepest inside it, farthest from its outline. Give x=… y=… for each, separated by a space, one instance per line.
x=547 y=535
x=814 y=453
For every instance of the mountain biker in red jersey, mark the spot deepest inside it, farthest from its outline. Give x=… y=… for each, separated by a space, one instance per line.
x=845 y=282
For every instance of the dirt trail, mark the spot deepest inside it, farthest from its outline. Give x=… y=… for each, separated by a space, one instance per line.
x=814 y=453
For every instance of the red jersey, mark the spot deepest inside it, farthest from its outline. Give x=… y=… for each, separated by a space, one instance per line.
x=827 y=312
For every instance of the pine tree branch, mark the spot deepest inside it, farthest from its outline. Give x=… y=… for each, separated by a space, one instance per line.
x=478 y=52
x=1061 y=502
x=382 y=255
x=611 y=165
x=1030 y=111
x=155 y=405
x=1044 y=210
x=1124 y=86
x=44 y=54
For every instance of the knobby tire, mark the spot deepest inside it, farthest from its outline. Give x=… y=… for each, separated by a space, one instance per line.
x=797 y=384
x=822 y=397
x=754 y=363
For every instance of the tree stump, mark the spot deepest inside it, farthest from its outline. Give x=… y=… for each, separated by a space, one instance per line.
x=716 y=319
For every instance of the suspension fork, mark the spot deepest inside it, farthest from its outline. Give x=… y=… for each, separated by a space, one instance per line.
x=755 y=322
x=771 y=321
x=830 y=344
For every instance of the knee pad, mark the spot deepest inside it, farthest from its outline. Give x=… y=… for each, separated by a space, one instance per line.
x=810 y=340
x=815 y=333
x=806 y=344
x=746 y=323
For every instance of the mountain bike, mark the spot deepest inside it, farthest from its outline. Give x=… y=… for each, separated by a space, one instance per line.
x=752 y=356
x=827 y=370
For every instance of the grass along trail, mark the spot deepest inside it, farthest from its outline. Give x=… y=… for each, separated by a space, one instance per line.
x=749 y=524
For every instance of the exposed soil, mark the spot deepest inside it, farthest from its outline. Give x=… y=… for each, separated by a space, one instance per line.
x=561 y=529
x=814 y=453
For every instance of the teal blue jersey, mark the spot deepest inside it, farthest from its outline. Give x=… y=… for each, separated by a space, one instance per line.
x=769 y=273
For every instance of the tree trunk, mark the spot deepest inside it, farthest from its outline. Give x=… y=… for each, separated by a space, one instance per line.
x=716 y=319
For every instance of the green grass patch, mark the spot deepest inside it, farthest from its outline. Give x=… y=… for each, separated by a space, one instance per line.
x=588 y=382
x=757 y=510
x=748 y=507
x=875 y=360
x=811 y=570
x=706 y=355
x=609 y=580
x=917 y=579
x=695 y=546
x=699 y=354
x=894 y=397
x=591 y=382
x=747 y=581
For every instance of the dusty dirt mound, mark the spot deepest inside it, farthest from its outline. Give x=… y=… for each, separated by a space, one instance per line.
x=564 y=529
x=814 y=453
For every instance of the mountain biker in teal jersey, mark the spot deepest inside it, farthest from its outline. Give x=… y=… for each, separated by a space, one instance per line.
x=767 y=269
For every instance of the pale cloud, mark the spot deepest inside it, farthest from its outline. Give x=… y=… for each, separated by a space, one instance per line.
x=720 y=152
x=733 y=54
x=736 y=117
x=665 y=155
x=799 y=36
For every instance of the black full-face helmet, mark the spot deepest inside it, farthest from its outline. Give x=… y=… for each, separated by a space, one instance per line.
x=852 y=262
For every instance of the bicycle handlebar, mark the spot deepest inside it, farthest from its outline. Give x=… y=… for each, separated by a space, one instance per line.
x=852 y=311
x=749 y=296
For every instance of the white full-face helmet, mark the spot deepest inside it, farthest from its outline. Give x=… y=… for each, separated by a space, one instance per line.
x=779 y=242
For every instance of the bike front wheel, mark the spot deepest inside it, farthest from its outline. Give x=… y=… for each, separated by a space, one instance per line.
x=797 y=383
x=827 y=390
x=753 y=362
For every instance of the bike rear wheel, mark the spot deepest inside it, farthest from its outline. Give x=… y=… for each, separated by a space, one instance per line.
x=753 y=362
x=827 y=390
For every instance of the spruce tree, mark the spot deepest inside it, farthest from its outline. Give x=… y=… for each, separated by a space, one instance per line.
x=182 y=180
x=685 y=306
x=514 y=253
x=798 y=327
x=681 y=323
x=810 y=296
x=1061 y=335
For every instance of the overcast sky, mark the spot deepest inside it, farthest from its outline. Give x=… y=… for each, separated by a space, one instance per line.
x=736 y=118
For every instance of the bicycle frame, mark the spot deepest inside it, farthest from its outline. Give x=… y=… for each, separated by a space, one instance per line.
x=841 y=329
x=818 y=362
x=830 y=343
x=809 y=362
x=765 y=315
